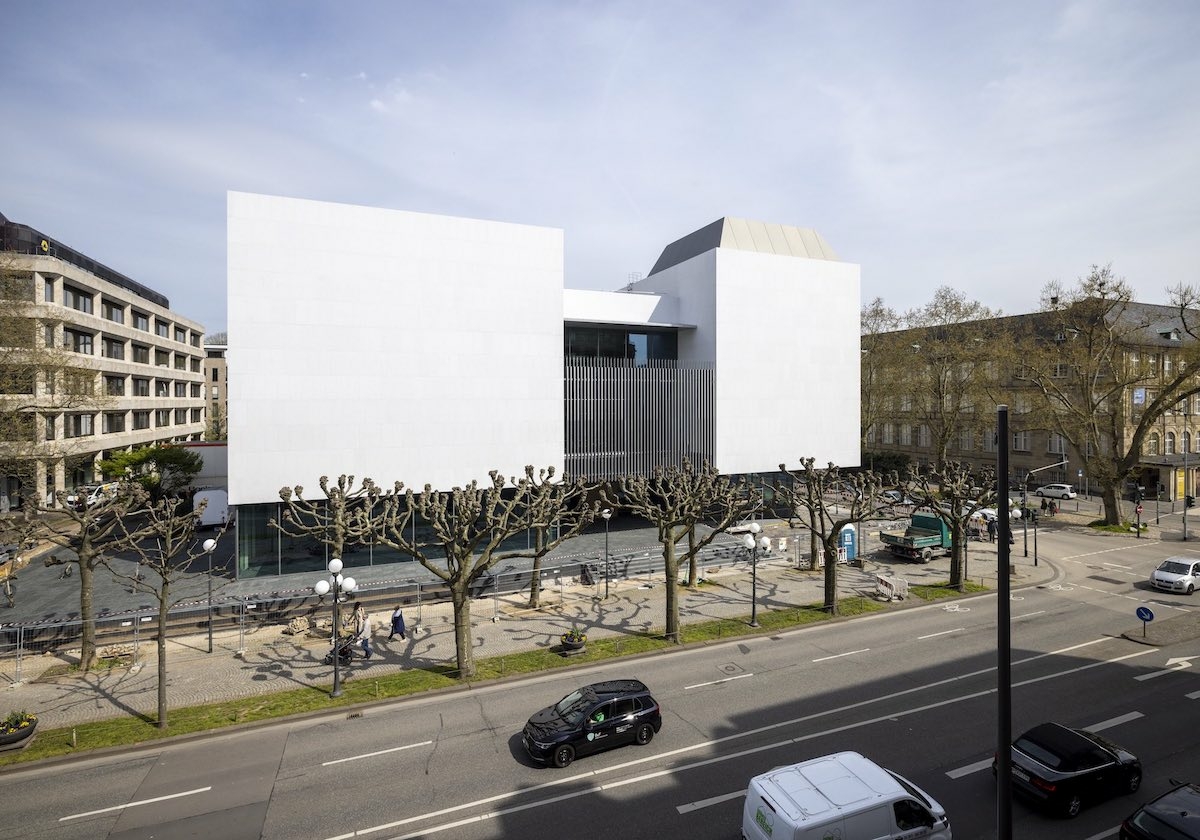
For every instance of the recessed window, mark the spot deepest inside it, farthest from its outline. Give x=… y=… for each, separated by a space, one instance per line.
x=162 y=358
x=141 y=387
x=141 y=321
x=162 y=417
x=48 y=290
x=162 y=328
x=141 y=354
x=196 y=389
x=141 y=419
x=181 y=389
x=114 y=386
x=180 y=362
x=114 y=312
x=181 y=416
x=196 y=416
x=181 y=335
x=78 y=342
x=78 y=425
x=77 y=299
x=162 y=387
x=112 y=348
x=114 y=421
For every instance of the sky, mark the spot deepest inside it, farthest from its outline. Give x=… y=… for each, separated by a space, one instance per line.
x=987 y=147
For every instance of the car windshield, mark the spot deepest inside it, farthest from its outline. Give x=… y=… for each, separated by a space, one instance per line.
x=572 y=708
x=1154 y=827
x=1173 y=567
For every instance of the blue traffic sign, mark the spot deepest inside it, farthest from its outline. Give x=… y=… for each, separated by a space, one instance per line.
x=1145 y=613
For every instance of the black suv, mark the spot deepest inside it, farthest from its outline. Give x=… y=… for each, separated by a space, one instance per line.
x=1173 y=816
x=590 y=719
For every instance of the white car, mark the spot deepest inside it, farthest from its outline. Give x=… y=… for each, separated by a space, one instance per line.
x=1056 y=491
x=1177 y=574
x=87 y=495
x=895 y=497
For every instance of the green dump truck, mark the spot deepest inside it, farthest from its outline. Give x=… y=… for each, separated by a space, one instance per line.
x=925 y=536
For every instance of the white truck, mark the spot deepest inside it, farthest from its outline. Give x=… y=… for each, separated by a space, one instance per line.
x=216 y=512
x=843 y=795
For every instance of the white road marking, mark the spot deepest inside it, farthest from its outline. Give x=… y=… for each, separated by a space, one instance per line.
x=377 y=752
x=1195 y=695
x=968 y=769
x=1174 y=664
x=1109 y=833
x=1118 y=566
x=1027 y=615
x=718 y=682
x=704 y=803
x=943 y=633
x=135 y=804
x=705 y=745
x=839 y=655
x=1111 y=722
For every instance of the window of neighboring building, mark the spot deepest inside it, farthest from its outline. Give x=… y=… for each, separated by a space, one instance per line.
x=923 y=437
x=112 y=348
x=141 y=354
x=141 y=321
x=162 y=328
x=114 y=421
x=162 y=358
x=889 y=434
x=215 y=373
x=114 y=312
x=1152 y=444
x=989 y=439
x=1187 y=442
x=196 y=416
x=966 y=440
x=114 y=386
x=141 y=386
x=870 y=431
x=162 y=387
x=51 y=432
x=216 y=392
x=77 y=341
x=195 y=365
x=1170 y=441
x=195 y=340
x=17 y=379
x=181 y=389
x=78 y=425
x=141 y=419
x=1056 y=444
x=48 y=290
x=196 y=389
x=906 y=402
x=181 y=335
x=180 y=362
x=48 y=335
x=1021 y=441
x=180 y=416
x=162 y=417
x=1061 y=371
x=905 y=434
x=77 y=299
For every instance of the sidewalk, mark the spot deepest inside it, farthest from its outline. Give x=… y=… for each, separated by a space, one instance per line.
x=265 y=659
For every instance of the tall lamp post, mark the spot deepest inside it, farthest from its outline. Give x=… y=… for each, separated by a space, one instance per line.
x=1187 y=493
x=607 y=514
x=750 y=541
x=337 y=585
x=209 y=547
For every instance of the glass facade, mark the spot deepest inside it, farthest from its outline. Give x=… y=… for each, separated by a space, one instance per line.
x=638 y=347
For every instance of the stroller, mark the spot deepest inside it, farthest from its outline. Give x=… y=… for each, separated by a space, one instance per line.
x=345 y=651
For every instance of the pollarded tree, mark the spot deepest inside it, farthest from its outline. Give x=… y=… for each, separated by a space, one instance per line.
x=878 y=379
x=340 y=520
x=90 y=532
x=163 y=541
x=1104 y=370
x=826 y=501
x=954 y=494
x=675 y=500
x=459 y=535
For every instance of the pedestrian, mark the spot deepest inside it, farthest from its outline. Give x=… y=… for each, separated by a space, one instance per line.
x=362 y=632
x=991 y=526
x=397 y=624
x=1043 y=504
x=1011 y=539
x=1053 y=508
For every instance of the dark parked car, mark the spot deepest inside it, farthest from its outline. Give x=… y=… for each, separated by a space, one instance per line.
x=1173 y=816
x=1064 y=768
x=593 y=718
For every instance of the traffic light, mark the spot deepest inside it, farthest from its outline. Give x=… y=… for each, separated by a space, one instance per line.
x=1189 y=501
x=1139 y=495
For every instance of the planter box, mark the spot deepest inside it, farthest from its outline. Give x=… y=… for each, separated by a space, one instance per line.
x=17 y=739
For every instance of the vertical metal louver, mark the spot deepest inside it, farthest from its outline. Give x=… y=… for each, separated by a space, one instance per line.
x=626 y=419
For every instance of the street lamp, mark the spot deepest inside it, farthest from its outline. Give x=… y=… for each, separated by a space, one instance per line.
x=337 y=585
x=752 y=545
x=607 y=514
x=209 y=547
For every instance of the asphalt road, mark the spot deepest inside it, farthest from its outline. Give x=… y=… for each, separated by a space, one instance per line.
x=914 y=690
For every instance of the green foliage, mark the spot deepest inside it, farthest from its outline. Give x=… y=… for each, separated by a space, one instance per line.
x=17 y=720
x=574 y=636
x=161 y=469
x=886 y=462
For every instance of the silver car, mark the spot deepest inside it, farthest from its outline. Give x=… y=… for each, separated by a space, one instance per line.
x=1177 y=574
x=1056 y=491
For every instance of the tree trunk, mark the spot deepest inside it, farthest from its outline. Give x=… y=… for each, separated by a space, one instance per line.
x=465 y=654
x=958 y=557
x=671 y=567
x=87 y=618
x=693 y=561
x=164 y=609
x=815 y=548
x=831 y=576
x=535 y=583
x=1112 y=505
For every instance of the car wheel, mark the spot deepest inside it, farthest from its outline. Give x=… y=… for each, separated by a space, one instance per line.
x=1190 y=589
x=644 y=735
x=1072 y=806
x=1134 y=781
x=564 y=755
x=926 y=555
x=1038 y=493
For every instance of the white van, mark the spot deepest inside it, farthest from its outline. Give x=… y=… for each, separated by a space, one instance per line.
x=844 y=796
x=216 y=511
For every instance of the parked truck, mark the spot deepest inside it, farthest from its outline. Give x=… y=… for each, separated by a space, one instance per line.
x=925 y=536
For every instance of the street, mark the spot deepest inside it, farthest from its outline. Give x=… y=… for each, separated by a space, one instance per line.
x=914 y=690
